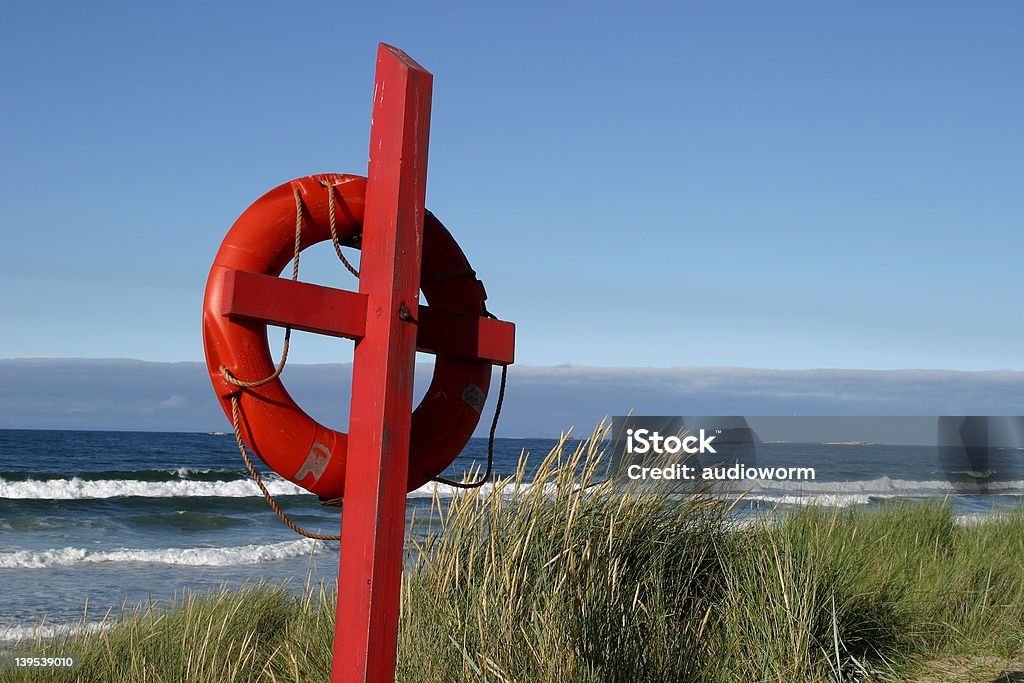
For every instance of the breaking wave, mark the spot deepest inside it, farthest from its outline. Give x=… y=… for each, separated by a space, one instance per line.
x=77 y=488
x=190 y=557
x=826 y=500
x=886 y=486
x=14 y=634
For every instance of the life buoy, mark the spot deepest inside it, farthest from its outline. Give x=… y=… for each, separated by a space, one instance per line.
x=288 y=440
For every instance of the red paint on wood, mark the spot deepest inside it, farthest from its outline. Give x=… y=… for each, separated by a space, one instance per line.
x=373 y=518
x=341 y=313
x=299 y=305
x=465 y=336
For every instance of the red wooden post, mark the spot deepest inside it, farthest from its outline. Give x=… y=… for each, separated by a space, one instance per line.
x=389 y=326
x=373 y=513
x=341 y=313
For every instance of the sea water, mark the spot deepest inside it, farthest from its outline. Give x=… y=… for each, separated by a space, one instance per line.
x=118 y=518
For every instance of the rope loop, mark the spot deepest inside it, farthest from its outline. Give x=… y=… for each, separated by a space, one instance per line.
x=259 y=481
x=334 y=231
x=225 y=373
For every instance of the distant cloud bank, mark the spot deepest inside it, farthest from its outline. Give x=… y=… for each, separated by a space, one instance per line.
x=540 y=401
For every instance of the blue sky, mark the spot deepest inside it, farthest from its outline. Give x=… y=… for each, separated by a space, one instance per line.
x=778 y=185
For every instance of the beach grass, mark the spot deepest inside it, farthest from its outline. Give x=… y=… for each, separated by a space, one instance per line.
x=566 y=578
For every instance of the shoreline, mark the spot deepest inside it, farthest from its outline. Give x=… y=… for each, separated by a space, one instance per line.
x=562 y=577
x=866 y=596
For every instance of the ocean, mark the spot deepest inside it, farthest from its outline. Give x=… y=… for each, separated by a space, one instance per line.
x=119 y=518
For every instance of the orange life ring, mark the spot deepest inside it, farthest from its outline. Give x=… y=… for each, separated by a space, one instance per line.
x=287 y=439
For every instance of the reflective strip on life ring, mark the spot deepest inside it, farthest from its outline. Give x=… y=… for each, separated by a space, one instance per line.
x=288 y=440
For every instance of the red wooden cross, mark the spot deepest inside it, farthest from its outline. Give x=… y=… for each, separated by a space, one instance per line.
x=373 y=524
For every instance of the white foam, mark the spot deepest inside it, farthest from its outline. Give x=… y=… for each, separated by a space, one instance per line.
x=885 y=486
x=824 y=500
x=445 y=490
x=506 y=487
x=192 y=557
x=186 y=471
x=12 y=634
x=76 y=488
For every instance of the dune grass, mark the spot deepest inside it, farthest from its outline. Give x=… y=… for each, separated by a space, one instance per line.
x=567 y=579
